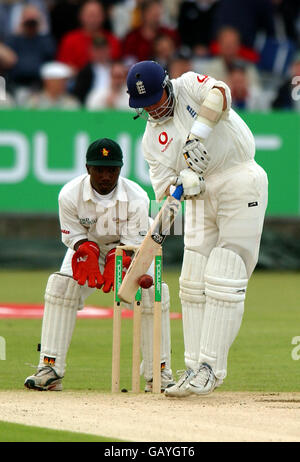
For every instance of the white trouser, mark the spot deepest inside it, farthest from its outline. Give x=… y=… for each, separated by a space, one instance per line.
x=229 y=217
x=64 y=297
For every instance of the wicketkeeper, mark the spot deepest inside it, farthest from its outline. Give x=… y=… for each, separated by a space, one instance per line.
x=98 y=211
x=194 y=138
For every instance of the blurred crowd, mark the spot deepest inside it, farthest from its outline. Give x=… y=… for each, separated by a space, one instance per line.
x=73 y=53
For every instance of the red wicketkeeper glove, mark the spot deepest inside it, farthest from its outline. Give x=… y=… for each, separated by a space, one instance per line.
x=85 y=265
x=109 y=269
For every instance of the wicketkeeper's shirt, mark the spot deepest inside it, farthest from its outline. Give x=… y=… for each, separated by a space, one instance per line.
x=118 y=218
x=230 y=143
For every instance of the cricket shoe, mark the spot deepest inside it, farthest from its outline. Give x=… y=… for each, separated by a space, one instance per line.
x=204 y=382
x=45 y=379
x=166 y=380
x=180 y=389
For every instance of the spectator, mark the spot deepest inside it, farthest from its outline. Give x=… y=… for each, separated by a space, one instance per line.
x=178 y=66
x=64 y=17
x=288 y=96
x=32 y=49
x=10 y=14
x=248 y=54
x=286 y=14
x=74 y=48
x=116 y=96
x=138 y=43
x=163 y=50
x=229 y=45
x=195 y=24
x=249 y=17
x=6 y=101
x=125 y=15
x=171 y=11
x=96 y=74
x=245 y=96
x=8 y=58
x=54 y=94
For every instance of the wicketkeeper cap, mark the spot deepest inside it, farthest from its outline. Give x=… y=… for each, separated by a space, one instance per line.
x=104 y=152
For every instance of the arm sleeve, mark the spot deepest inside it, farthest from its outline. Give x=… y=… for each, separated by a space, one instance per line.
x=198 y=87
x=71 y=230
x=161 y=177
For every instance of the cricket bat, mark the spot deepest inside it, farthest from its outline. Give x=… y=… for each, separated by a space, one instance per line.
x=153 y=239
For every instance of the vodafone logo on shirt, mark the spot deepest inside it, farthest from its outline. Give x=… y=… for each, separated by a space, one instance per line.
x=163 y=138
x=203 y=78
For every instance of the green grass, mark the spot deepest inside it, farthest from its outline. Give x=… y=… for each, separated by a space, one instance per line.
x=260 y=358
x=10 y=432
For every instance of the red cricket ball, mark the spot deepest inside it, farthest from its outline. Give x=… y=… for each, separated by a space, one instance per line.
x=145 y=281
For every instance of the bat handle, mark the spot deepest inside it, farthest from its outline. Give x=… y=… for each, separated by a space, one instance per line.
x=178 y=192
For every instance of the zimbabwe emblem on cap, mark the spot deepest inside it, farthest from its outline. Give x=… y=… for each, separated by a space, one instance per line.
x=140 y=87
x=105 y=152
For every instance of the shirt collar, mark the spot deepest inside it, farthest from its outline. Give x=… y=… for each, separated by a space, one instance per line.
x=119 y=194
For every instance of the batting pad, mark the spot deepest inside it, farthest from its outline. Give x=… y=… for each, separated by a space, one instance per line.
x=225 y=287
x=147 y=330
x=62 y=298
x=192 y=296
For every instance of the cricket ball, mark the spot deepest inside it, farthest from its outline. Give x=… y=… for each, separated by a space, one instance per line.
x=145 y=281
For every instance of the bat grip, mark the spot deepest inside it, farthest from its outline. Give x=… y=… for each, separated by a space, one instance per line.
x=178 y=192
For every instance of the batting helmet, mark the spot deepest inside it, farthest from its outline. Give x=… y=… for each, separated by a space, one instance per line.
x=146 y=81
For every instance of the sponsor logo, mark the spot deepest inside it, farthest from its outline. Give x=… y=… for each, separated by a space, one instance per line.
x=191 y=111
x=203 y=79
x=158 y=281
x=65 y=231
x=143 y=233
x=252 y=204
x=140 y=87
x=158 y=238
x=49 y=361
x=163 y=138
x=118 y=275
x=87 y=221
x=167 y=145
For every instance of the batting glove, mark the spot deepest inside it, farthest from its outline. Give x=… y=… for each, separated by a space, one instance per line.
x=196 y=156
x=193 y=184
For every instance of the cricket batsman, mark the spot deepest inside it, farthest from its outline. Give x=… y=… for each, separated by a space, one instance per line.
x=98 y=211
x=193 y=137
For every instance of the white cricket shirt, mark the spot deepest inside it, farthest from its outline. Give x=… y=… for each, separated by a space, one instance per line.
x=121 y=218
x=230 y=142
